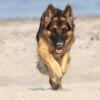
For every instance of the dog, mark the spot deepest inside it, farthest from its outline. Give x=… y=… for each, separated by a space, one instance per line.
x=54 y=41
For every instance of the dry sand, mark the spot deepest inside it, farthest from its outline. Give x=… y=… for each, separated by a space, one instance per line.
x=19 y=78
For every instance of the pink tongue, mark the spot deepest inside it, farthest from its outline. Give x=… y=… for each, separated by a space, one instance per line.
x=58 y=50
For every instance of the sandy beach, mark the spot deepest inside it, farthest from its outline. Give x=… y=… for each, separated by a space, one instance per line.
x=19 y=78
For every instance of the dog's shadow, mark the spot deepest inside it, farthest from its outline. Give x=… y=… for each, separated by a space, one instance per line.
x=40 y=89
x=45 y=89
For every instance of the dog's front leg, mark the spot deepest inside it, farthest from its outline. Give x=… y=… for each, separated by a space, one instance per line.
x=54 y=69
x=66 y=57
x=65 y=61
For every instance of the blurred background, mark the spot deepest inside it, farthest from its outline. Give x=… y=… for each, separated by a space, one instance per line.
x=34 y=8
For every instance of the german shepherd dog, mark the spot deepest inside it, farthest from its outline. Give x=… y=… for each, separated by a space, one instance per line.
x=55 y=38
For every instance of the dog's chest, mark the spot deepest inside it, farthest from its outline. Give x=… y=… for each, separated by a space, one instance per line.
x=58 y=58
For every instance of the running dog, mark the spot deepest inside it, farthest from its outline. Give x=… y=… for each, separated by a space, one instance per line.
x=55 y=38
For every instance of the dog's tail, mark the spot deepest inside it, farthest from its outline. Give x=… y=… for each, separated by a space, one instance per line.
x=42 y=68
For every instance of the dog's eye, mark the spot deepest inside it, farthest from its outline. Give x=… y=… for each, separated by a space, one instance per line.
x=53 y=30
x=65 y=30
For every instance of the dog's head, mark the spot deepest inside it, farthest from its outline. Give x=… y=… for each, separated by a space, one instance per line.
x=58 y=23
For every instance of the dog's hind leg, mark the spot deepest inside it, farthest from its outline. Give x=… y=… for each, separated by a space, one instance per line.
x=42 y=67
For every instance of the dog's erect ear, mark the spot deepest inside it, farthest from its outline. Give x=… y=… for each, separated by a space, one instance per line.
x=48 y=14
x=68 y=11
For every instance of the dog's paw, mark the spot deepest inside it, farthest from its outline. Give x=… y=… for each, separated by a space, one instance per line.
x=55 y=83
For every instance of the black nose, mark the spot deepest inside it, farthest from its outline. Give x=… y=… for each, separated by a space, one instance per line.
x=60 y=44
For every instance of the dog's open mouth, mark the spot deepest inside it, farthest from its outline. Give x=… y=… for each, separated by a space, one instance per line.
x=59 y=50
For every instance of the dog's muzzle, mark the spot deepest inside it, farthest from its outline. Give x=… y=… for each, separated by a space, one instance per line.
x=59 y=47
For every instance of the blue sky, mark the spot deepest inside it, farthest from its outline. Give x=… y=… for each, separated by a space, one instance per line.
x=34 y=8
